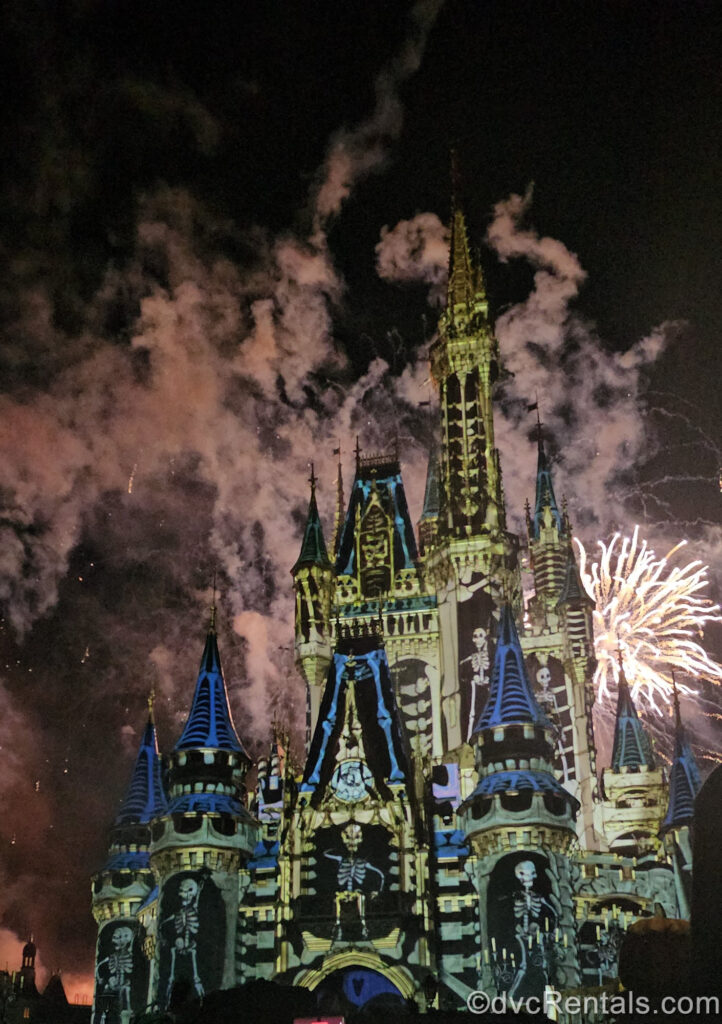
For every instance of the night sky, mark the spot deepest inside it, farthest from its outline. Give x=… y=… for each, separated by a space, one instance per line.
x=222 y=250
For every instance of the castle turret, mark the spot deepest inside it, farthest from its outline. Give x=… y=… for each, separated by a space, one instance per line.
x=633 y=784
x=549 y=540
x=200 y=845
x=123 y=885
x=313 y=585
x=26 y=979
x=676 y=829
x=562 y=638
x=525 y=896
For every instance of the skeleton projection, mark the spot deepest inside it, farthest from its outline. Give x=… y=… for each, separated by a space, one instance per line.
x=114 y=973
x=354 y=878
x=476 y=668
x=548 y=702
x=534 y=919
x=185 y=923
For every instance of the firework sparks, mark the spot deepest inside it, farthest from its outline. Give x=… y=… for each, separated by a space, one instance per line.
x=651 y=611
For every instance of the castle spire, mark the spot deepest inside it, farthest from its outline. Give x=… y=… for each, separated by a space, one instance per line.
x=511 y=699
x=631 y=748
x=465 y=364
x=340 y=503
x=313 y=547
x=466 y=294
x=684 y=780
x=546 y=509
x=145 y=798
x=210 y=725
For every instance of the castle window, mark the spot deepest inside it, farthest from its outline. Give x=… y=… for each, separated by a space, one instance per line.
x=187 y=823
x=554 y=804
x=516 y=802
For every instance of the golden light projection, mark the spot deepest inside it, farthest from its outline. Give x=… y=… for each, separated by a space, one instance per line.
x=653 y=612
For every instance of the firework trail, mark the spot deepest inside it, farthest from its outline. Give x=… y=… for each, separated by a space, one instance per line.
x=651 y=611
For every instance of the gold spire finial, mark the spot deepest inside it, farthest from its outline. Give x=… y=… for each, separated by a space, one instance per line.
x=151 y=701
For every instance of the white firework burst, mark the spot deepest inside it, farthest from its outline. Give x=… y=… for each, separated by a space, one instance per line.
x=651 y=611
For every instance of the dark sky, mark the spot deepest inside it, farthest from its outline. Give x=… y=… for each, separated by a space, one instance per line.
x=185 y=325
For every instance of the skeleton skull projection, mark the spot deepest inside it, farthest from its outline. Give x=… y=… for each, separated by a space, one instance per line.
x=479 y=638
x=122 y=938
x=352 y=836
x=525 y=871
x=544 y=677
x=187 y=890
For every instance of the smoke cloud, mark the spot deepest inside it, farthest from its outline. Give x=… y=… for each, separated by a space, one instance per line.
x=168 y=439
x=416 y=250
x=353 y=154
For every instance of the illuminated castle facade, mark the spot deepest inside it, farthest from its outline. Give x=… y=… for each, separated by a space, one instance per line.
x=451 y=830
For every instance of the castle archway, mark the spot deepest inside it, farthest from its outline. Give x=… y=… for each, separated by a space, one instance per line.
x=356 y=979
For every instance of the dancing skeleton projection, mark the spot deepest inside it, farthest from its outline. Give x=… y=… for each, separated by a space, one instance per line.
x=478 y=665
x=186 y=923
x=529 y=906
x=549 y=705
x=118 y=968
x=351 y=877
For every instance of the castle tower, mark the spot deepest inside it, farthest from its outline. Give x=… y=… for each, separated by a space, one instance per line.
x=684 y=785
x=519 y=822
x=560 y=642
x=378 y=579
x=549 y=539
x=354 y=866
x=121 y=888
x=313 y=585
x=465 y=365
x=470 y=561
x=633 y=784
x=200 y=844
x=26 y=979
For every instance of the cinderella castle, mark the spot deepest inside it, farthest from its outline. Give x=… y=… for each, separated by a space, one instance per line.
x=451 y=830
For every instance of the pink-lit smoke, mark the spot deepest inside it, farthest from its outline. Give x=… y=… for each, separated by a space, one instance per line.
x=142 y=464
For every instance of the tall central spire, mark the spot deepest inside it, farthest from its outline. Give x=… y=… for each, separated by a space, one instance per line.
x=464 y=363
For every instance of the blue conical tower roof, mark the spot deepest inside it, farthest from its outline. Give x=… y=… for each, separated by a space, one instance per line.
x=684 y=780
x=313 y=548
x=210 y=725
x=511 y=699
x=544 y=493
x=573 y=591
x=632 y=748
x=146 y=797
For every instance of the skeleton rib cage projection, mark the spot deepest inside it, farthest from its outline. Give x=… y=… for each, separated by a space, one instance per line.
x=449 y=822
